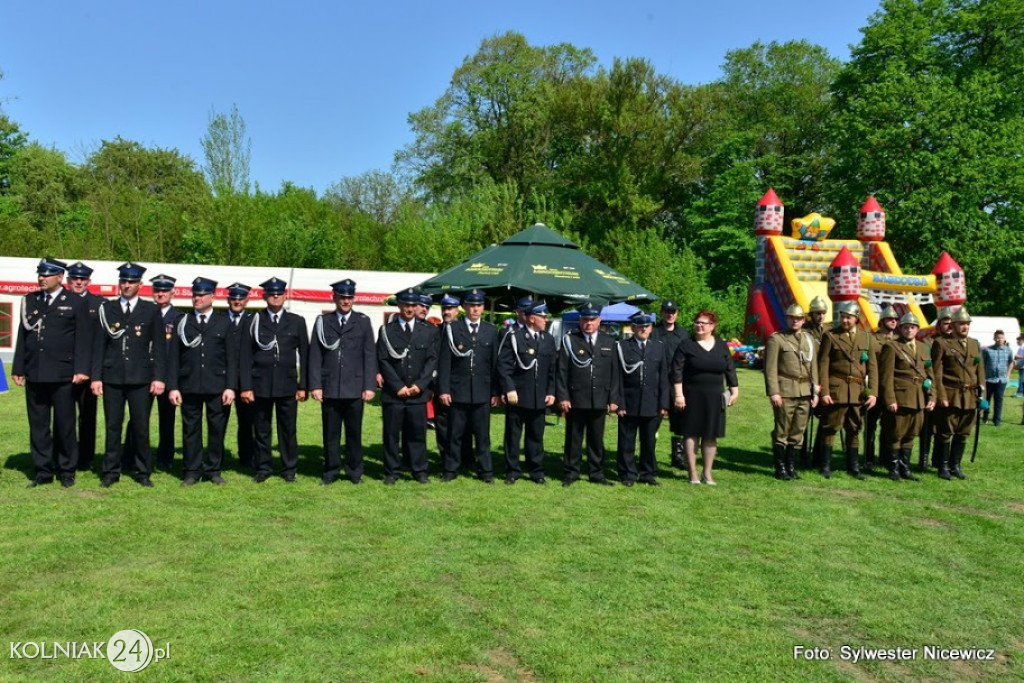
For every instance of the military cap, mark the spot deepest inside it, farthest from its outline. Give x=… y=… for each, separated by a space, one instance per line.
x=589 y=311
x=449 y=301
x=668 y=305
x=426 y=300
x=237 y=290
x=130 y=272
x=50 y=266
x=79 y=269
x=524 y=303
x=961 y=315
x=794 y=311
x=346 y=287
x=818 y=305
x=409 y=296
x=473 y=296
x=909 y=319
x=538 y=308
x=162 y=283
x=641 y=319
x=888 y=312
x=274 y=285
x=203 y=285
x=848 y=308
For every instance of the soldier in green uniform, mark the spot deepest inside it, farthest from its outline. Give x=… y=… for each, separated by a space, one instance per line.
x=886 y=332
x=905 y=370
x=849 y=375
x=815 y=325
x=943 y=328
x=791 y=381
x=960 y=380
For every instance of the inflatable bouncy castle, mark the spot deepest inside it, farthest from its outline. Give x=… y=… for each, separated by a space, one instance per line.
x=795 y=269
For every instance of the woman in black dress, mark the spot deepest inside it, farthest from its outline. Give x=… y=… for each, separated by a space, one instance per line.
x=701 y=369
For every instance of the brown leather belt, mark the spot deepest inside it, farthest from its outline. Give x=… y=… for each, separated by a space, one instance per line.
x=797 y=379
x=848 y=379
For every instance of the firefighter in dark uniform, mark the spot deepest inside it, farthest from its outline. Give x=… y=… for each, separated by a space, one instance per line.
x=272 y=369
x=849 y=375
x=202 y=372
x=905 y=372
x=886 y=332
x=163 y=291
x=959 y=383
x=79 y=278
x=588 y=387
x=342 y=378
x=526 y=378
x=129 y=367
x=51 y=357
x=791 y=383
x=466 y=383
x=513 y=424
x=407 y=360
x=245 y=432
x=943 y=328
x=644 y=368
x=449 y=313
x=670 y=333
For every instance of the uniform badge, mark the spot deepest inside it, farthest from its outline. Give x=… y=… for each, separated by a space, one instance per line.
x=138 y=330
x=531 y=351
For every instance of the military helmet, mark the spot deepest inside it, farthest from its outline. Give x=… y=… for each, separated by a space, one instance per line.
x=909 y=319
x=818 y=305
x=849 y=308
x=888 y=312
x=961 y=315
x=943 y=313
x=794 y=311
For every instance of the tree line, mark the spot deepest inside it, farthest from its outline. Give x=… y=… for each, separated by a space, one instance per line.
x=655 y=177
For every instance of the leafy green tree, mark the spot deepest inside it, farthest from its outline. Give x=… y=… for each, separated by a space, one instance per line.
x=931 y=117
x=378 y=194
x=227 y=150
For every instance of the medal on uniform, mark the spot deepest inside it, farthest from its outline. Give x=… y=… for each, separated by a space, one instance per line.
x=138 y=330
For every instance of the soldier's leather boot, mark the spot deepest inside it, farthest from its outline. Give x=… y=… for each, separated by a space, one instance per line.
x=956 y=455
x=892 y=464
x=903 y=463
x=824 y=457
x=941 y=450
x=869 y=453
x=779 y=455
x=791 y=462
x=852 y=464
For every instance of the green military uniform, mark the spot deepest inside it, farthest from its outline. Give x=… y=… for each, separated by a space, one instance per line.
x=873 y=417
x=960 y=379
x=849 y=372
x=906 y=381
x=790 y=372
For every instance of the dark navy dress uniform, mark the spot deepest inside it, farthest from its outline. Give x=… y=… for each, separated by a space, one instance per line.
x=405 y=359
x=245 y=430
x=85 y=400
x=203 y=363
x=645 y=394
x=526 y=366
x=272 y=365
x=589 y=378
x=129 y=353
x=164 y=409
x=52 y=347
x=466 y=371
x=343 y=364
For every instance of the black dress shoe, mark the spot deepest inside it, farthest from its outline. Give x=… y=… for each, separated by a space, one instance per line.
x=510 y=480
x=327 y=480
x=650 y=482
x=40 y=481
x=390 y=480
x=356 y=480
x=540 y=480
x=566 y=483
x=487 y=479
x=144 y=481
x=216 y=480
x=628 y=482
x=261 y=477
x=602 y=482
x=448 y=476
x=189 y=481
x=423 y=478
x=109 y=480
x=289 y=478
x=67 y=481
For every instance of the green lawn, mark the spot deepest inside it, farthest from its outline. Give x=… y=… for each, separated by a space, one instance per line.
x=468 y=582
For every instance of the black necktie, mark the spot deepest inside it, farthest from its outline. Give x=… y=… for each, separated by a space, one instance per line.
x=48 y=298
x=235 y=319
x=127 y=308
x=343 y=319
x=472 y=330
x=274 y=318
x=202 y=321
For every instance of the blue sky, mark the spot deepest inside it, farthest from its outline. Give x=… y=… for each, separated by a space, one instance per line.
x=325 y=88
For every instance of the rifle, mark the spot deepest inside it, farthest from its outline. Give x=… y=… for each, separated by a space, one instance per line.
x=977 y=431
x=808 y=436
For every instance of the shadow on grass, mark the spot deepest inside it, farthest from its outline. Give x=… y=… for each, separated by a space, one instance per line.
x=21 y=462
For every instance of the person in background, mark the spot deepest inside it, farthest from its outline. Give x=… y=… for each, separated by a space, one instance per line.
x=163 y=291
x=79 y=279
x=1018 y=363
x=670 y=333
x=998 y=365
x=245 y=432
x=702 y=368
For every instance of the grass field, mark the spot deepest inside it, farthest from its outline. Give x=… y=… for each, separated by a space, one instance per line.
x=468 y=582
